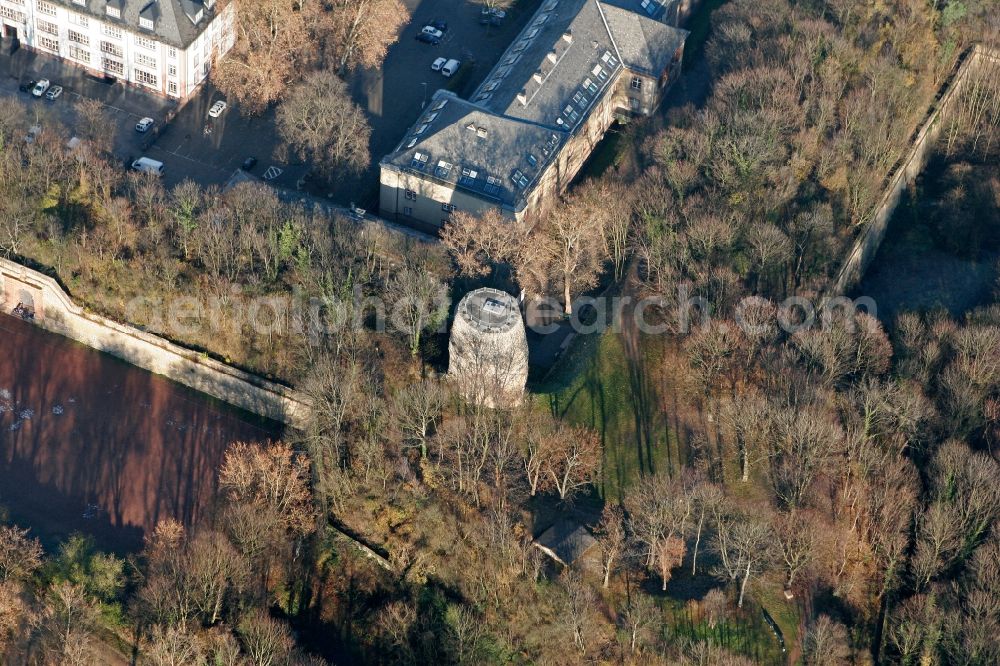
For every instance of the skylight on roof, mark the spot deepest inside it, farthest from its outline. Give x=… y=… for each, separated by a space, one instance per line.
x=481 y=132
x=541 y=20
x=439 y=105
x=520 y=179
x=531 y=33
x=609 y=59
x=532 y=160
x=420 y=130
x=589 y=84
x=550 y=5
x=580 y=99
x=521 y=45
x=412 y=142
x=511 y=60
x=483 y=97
x=492 y=85
x=650 y=6
x=431 y=117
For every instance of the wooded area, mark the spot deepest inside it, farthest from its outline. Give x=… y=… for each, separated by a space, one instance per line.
x=843 y=477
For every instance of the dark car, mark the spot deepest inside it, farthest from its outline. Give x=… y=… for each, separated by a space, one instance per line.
x=439 y=24
x=428 y=39
x=249 y=163
x=26 y=86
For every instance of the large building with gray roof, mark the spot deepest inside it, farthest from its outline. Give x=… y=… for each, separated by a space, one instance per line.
x=524 y=133
x=163 y=46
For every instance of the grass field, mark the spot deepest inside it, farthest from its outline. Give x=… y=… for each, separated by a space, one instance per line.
x=605 y=386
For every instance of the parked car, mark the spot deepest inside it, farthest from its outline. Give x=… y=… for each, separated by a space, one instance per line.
x=147 y=165
x=492 y=16
x=26 y=86
x=40 y=87
x=249 y=163
x=432 y=31
x=217 y=109
x=428 y=39
x=438 y=64
x=54 y=92
x=451 y=67
x=438 y=24
x=143 y=125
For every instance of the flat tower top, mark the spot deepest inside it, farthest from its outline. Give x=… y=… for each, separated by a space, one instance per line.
x=489 y=310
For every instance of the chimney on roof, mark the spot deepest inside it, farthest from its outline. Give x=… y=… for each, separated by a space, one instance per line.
x=522 y=97
x=568 y=37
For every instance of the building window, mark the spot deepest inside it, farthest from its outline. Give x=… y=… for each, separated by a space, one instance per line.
x=145 y=42
x=78 y=19
x=49 y=44
x=634 y=103
x=145 y=78
x=79 y=53
x=46 y=27
x=443 y=169
x=9 y=13
x=46 y=8
x=172 y=87
x=447 y=207
x=172 y=53
x=113 y=66
x=113 y=12
x=636 y=83
x=172 y=70
x=111 y=49
x=146 y=23
x=112 y=31
x=410 y=194
x=145 y=60
x=468 y=177
x=82 y=3
x=407 y=211
x=16 y=2
x=419 y=160
x=79 y=38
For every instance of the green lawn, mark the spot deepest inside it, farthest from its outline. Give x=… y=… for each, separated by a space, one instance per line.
x=597 y=384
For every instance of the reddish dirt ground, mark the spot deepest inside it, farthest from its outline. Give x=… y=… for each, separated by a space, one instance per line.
x=91 y=444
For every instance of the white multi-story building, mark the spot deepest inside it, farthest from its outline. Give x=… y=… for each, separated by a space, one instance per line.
x=165 y=46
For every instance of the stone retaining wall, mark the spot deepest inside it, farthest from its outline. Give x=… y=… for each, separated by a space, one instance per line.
x=55 y=311
x=867 y=244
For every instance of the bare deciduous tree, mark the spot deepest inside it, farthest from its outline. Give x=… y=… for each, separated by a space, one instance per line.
x=612 y=538
x=320 y=121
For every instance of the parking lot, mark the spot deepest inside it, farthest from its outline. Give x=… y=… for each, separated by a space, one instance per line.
x=208 y=150
x=394 y=95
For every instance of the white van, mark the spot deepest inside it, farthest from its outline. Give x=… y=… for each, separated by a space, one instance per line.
x=146 y=165
x=450 y=67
